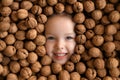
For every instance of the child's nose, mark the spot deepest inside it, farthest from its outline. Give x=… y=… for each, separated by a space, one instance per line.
x=60 y=44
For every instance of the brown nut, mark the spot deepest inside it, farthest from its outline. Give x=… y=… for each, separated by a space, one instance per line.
x=68 y=9
x=11 y=76
x=89 y=6
x=36 y=67
x=25 y=72
x=48 y=10
x=99 y=63
x=114 y=72
x=108 y=38
x=40 y=50
x=5 y=71
x=41 y=18
x=32 y=78
x=31 y=34
x=36 y=9
x=94 y=52
x=116 y=36
x=99 y=29
x=75 y=76
x=89 y=34
x=59 y=7
x=22 y=13
x=24 y=3
x=97 y=14
x=110 y=29
x=112 y=63
x=52 y=2
x=42 y=78
x=69 y=66
x=14 y=6
x=9 y=51
x=100 y=4
x=18 y=44
x=20 y=35
x=108 y=46
x=1 y=69
x=71 y=1
x=108 y=8
x=23 y=62
x=105 y=20
x=30 y=46
x=75 y=58
x=89 y=44
x=7 y=2
x=14 y=66
x=2 y=45
x=102 y=72
x=56 y=68
x=80 y=29
x=89 y=23
x=97 y=40
x=4 y=26
x=79 y=18
x=117 y=45
x=78 y=7
x=79 y=49
x=31 y=22
x=1 y=57
x=13 y=28
x=52 y=77
x=22 y=53
x=46 y=60
x=40 y=40
x=64 y=75
x=5 y=61
x=10 y=39
x=45 y=71
x=6 y=11
x=80 y=67
x=90 y=73
x=81 y=39
x=39 y=28
x=32 y=57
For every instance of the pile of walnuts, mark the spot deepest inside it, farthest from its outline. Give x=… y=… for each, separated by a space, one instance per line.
x=22 y=51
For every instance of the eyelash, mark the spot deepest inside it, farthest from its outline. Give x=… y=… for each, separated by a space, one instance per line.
x=68 y=38
x=50 y=38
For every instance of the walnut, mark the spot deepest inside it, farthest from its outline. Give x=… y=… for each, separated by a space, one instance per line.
x=89 y=44
x=14 y=6
x=14 y=16
x=64 y=75
x=12 y=76
x=41 y=18
x=1 y=69
x=36 y=9
x=108 y=46
x=32 y=78
x=13 y=28
x=7 y=2
x=89 y=34
x=42 y=3
x=22 y=13
x=6 y=11
x=32 y=57
x=108 y=8
x=45 y=71
x=3 y=34
x=80 y=67
x=100 y=4
x=80 y=29
x=69 y=66
x=14 y=66
x=25 y=72
x=99 y=63
x=68 y=9
x=46 y=60
x=79 y=49
x=40 y=40
x=81 y=39
x=5 y=61
x=23 y=62
x=9 y=51
x=52 y=2
x=110 y=29
x=5 y=71
x=90 y=73
x=20 y=35
x=39 y=28
x=18 y=44
x=108 y=38
x=97 y=40
x=10 y=39
x=75 y=58
x=21 y=25
x=99 y=29
x=4 y=26
x=22 y=53
x=75 y=76
x=31 y=34
x=116 y=36
x=42 y=78
x=79 y=18
x=97 y=14
x=52 y=77
x=40 y=50
x=105 y=20
x=1 y=57
x=48 y=10
x=102 y=72
x=89 y=6
x=36 y=66
x=114 y=72
x=59 y=7
x=24 y=3
x=2 y=45
x=56 y=68
x=78 y=7
x=89 y=23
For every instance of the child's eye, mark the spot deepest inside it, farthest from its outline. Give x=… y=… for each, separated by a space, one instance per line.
x=50 y=38
x=69 y=37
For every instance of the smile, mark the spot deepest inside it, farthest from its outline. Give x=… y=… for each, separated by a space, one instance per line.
x=60 y=56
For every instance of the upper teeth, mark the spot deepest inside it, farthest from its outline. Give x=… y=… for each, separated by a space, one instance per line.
x=60 y=54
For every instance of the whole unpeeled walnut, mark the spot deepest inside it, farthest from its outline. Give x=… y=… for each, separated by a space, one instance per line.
x=79 y=18
x=89 y=6
x=32 y=57
x=2 y=45
x=56 y=68
x=52 y=77
x=1 y=69
x=80 y=29
x=36 y=9
x=41 y=18
x=75 y=76
x=46 y=60
x=110 y=29
x=11 y=76
x=18 y=44
x=22 y=13
x=22 y=53
x=40 y=50
x=24 y=3
x=68 y=9
x=30 y=46
x=31 y=34
x=20 y=35
x=52 y=2
x=6 y=2
x=36 y=66
x=75 y=58
x=100 y=4
x=40 y=40
x=81 y=39
x=14 y=67
x=89 y=23
x=102 y=72
x=10 y=39
x=79 y=49
x=48 y=10
x=45 y=70
x=80 y=67
x=39 y=28
x=108 y=46
x=59 y=7
x=25 y=72
x=99 y=63
x=64 y=75
x=89 y=34
x=114 y=72
x=99 y=29
x=97 y=40
x=9 y=51
x=97 y=14
x=13 y=28
x=4 y=26
x=3 y=34
x=69 y=66
x=78 y=7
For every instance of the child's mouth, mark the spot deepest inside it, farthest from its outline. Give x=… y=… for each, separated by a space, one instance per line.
x=60 y=55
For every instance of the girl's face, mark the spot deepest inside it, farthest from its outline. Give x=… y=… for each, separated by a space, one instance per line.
x=60 y=35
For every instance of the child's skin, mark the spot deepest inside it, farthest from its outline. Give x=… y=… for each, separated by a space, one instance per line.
x=60 y=35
